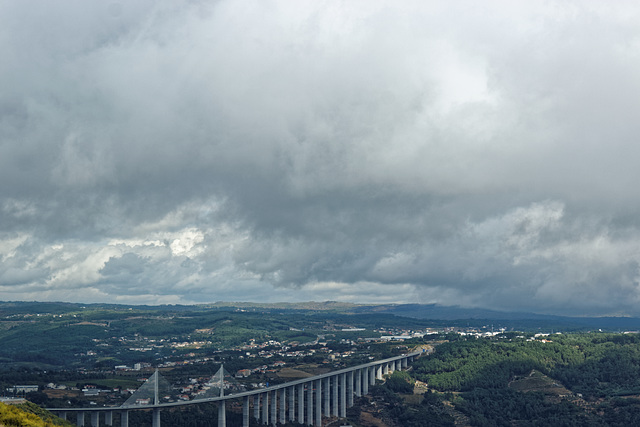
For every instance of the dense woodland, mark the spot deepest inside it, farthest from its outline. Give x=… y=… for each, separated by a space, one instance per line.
x=596 y=365
x=477 y=378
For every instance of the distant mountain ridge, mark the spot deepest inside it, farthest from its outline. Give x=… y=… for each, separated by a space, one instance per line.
x=448 y=313
x=455 y=314
x=441 y=312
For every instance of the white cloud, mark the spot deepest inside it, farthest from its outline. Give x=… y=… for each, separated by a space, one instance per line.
x=186 y=243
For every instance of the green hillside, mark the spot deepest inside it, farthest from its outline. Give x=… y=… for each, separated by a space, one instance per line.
x=518 y=380
x=28 y=415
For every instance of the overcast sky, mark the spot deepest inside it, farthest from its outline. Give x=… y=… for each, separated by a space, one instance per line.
x=457 y=152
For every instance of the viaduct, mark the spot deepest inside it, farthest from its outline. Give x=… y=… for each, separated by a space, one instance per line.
x=304 y=401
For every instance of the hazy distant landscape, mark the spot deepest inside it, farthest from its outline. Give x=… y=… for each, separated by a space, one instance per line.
x=65 y=334
x=482 y=368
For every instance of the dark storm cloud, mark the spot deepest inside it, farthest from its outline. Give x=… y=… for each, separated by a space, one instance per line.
x=365 y=151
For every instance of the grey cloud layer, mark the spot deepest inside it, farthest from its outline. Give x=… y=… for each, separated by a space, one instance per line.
x=372 y=151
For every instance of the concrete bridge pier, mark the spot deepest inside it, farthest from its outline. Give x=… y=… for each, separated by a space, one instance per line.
x=222 y=414
x=265 y=408
x=326 y=397
x=256 y=407
x=301 y=403
x=334 y=396
x=283 y=405
x=274 y=407
x=124 y=419
x=327 y=401
x=359 y=382
x=404 y=363
x=80 y=418
x=108 y=418
x=343 y=395
x=318 y=405
x=366 y=377
x=95 y=419
x=155 y=421
x=310 y=403
x=379 y=372
x=292 y=403
x=350 y=391
x=245 y=411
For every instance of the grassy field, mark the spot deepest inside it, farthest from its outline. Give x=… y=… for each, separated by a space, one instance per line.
x=290 y=373
x=537 y=381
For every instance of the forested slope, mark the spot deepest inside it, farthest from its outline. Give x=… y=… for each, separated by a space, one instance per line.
x=600 y=374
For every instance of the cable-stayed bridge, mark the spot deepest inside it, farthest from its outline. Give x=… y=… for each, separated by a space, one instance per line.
x=306 y=401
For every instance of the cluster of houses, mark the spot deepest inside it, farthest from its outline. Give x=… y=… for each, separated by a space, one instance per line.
x=244 y=373
x=136 y=367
